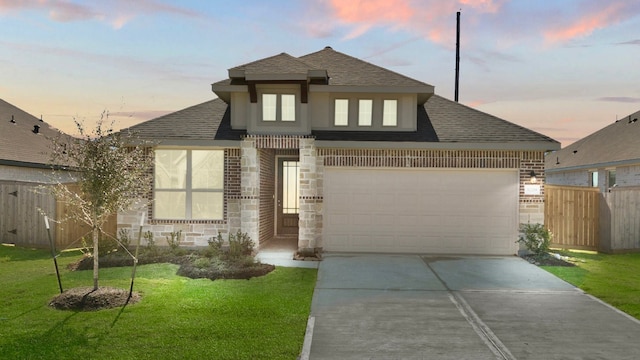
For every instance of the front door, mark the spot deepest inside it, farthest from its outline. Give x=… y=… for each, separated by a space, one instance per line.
x=287 y=203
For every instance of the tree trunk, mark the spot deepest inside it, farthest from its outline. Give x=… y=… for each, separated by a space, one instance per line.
x=95 y=257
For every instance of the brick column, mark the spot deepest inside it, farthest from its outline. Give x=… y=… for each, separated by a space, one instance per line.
x=307 y=233
x=532 y=206
x=250 y=189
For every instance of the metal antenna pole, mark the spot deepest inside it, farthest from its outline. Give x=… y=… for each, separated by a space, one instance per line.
x=457 y=56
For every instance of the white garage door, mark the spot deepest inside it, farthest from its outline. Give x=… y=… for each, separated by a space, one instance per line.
x=421 y=211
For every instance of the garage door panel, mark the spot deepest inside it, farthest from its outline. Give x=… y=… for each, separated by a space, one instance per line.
x=420 y=210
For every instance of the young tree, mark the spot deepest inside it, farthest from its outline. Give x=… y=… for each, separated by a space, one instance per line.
x=113 y=173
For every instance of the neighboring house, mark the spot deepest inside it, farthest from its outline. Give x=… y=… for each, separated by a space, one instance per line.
x=342 y=155
x=608 y=159
x=24 y=146
x=24 y=166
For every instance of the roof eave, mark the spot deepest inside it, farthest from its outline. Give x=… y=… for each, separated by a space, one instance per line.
x=516 y=146
x=595 y=165
x=426 y=90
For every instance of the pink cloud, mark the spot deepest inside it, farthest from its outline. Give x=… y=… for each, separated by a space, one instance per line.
x=595 y=18
x=430 y=19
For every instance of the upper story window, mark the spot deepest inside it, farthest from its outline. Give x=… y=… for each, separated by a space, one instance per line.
x=288 y=107
x=365 y=112
x=356 y=113
x=188 y=184
x=390 y=113
x=278 y=107
x=341 y=112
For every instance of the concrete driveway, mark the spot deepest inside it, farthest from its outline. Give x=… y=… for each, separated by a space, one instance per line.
x=421 y=307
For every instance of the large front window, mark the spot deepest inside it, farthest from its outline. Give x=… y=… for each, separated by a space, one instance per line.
x=189 y=184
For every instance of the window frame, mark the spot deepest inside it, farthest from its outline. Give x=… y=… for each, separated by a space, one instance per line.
x=281 y=114
x=189 y=190
x=369 y=118
x=593 y=178
x=344 y=115
x=386 y=113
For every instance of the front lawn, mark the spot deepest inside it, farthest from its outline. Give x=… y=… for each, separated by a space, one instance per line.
x=177 y=318
x=614 y=279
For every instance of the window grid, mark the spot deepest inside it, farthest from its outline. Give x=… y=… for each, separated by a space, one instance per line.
x=278 y=107
x=178 y=202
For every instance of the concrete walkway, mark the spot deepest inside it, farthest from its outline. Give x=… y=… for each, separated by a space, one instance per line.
x=418 y=307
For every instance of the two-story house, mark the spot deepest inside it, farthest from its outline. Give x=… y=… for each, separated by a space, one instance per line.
x=342 y=155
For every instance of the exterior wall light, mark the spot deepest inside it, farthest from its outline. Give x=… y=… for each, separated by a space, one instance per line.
x=533 y=179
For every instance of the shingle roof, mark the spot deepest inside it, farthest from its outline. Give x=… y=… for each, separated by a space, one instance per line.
x=454 y=122
x=282 y=63
x=615 y=143
x=18 y=142
x=348 y=70
x=210 y=120
x=439 y=119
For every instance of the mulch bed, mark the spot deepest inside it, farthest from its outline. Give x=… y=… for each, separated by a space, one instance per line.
x=87 y=299
x=547 y=260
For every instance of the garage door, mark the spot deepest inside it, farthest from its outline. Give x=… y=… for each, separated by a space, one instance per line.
x=421 y=211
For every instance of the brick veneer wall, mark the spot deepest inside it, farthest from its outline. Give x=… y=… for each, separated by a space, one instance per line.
x=267 y=190
x=531 y=206
x=194 y=232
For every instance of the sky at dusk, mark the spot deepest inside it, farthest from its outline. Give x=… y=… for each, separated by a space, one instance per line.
x=562 y=68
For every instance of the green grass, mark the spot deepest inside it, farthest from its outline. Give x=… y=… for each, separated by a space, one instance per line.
x=614 y=279
x=177 y=318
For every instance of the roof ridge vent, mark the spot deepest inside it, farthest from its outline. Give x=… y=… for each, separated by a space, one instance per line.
x=13 y=121
x=632 y=121
x=36 y=129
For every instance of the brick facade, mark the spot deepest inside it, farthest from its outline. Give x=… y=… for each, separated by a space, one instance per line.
x=250 y=174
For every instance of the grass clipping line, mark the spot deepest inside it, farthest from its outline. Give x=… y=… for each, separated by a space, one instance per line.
x=87 y=299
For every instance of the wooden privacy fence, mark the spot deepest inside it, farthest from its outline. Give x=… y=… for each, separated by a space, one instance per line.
x=22 y=223
x=620 y=219
x=572 y=215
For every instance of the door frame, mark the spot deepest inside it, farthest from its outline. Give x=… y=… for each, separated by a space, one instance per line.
x=277 y=213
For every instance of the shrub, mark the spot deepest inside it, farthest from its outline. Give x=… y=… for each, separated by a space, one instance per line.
x=240 y=244
x=215 y=246
x=151 y=242
x=202 y=262
x=536 y=238
x=124 y=238
x=173 y=240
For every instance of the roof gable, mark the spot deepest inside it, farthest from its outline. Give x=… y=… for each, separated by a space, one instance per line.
x=615 y=143
x=272 y=68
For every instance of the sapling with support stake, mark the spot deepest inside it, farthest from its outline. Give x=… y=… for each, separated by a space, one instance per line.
x=53 y=251
x=135 y=257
